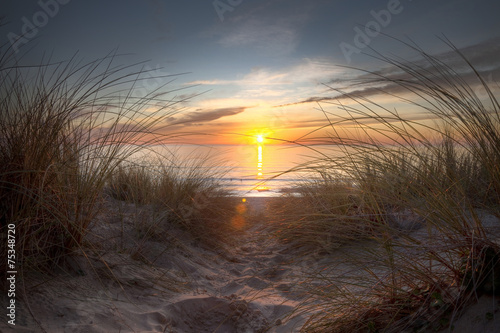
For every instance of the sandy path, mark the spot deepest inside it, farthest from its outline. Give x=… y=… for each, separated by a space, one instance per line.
x=148 y=287
x=250 y=290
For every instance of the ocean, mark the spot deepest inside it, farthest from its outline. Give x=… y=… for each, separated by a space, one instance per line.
x=258 y=170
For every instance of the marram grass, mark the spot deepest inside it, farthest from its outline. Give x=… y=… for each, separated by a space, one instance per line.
x=65 y=129
x=420 y=191
x=191 y=195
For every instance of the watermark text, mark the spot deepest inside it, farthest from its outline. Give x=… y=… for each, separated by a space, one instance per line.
x=11 y=274
x=31 y=26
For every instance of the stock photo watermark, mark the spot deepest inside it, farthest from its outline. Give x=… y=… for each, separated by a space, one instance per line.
x=11 y=274
x=223 y=6
x=363 y=37
x=489 y=83
x=199 y=202
x=31 y=26
x=151 y=80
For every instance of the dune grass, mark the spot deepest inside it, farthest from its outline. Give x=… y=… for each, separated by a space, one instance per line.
x=421 y=190
x=67 y=130
x=191 y=195
x=320 y=216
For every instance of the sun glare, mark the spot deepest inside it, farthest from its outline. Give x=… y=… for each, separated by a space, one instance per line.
x=260 y=138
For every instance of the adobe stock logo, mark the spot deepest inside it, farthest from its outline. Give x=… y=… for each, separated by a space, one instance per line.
x=151 y=80
x=363 y=37
x=222 y=6
x=481 y=91
x=49 y=9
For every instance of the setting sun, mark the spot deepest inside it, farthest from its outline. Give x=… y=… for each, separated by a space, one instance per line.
x=260 y=138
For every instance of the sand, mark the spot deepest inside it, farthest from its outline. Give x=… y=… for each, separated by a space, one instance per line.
x=167 y=282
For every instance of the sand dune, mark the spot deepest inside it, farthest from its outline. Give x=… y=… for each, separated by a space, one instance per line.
x=169 y=283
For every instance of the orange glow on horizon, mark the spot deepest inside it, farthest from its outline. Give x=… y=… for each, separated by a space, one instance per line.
x=262 y=136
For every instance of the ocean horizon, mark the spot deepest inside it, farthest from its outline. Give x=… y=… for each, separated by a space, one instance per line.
x=258 y=170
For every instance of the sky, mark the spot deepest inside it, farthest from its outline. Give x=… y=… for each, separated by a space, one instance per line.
x=252 y=66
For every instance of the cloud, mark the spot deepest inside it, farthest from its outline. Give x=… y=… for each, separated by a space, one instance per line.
x=198 y=117
x=483 y=56
x=273 y=28
x=276 y=38
x=301 y=79
x=258 y=76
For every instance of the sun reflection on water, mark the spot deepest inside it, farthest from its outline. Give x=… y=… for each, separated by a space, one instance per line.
x=260 y=164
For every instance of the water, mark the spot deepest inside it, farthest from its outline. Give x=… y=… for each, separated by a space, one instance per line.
x=249 y=170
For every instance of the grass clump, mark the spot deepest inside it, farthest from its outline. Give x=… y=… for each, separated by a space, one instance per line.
x=426 y=186
x=64 y=129
x=322 y=216
x=190 y=195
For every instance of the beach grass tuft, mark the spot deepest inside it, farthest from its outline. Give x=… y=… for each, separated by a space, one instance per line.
x=419 y=188
x=68 y=133
x=190 y=195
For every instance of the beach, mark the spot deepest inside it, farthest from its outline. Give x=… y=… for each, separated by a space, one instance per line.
x=244 y=166
x=118 y=282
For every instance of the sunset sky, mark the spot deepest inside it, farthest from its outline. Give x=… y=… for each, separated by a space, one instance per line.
x=253 y=66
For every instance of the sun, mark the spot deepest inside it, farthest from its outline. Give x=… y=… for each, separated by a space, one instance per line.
x=260 y=138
